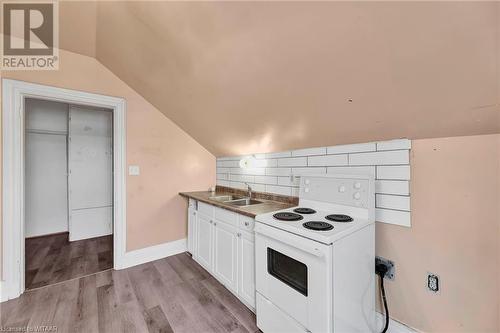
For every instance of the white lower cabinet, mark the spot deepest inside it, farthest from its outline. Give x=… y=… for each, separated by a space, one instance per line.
x=204 y=241
x=226 y=255
x=192 y=226
x=225 y=249
x=246 y=267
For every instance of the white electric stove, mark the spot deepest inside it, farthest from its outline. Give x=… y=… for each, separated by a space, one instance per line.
x=315 y=262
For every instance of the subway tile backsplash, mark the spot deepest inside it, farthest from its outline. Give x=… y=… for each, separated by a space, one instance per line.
x=279 y=173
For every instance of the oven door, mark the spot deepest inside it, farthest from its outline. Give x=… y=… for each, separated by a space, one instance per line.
x=294 y=274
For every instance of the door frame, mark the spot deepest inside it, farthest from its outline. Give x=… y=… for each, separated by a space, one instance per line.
x=14 y=93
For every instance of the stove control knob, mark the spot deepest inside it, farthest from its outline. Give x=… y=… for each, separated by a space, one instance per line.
x=357 y=195
x=342 y=189
x=306 y=189
x=357 y=185
x=307 y=181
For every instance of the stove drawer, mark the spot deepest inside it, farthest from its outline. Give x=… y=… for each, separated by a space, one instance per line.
x=270 y=319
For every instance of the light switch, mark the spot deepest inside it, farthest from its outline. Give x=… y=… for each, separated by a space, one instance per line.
x=134 y=170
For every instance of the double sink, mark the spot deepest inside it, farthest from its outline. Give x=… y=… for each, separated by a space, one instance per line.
x=235 y=200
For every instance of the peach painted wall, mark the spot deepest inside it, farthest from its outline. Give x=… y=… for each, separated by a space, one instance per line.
x=455 y=233
x=170 y=160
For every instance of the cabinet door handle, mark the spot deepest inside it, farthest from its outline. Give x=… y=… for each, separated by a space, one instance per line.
x=215 y=223
x=246 y=224
x=211 y=221
x=238 y=234
x=194 y=213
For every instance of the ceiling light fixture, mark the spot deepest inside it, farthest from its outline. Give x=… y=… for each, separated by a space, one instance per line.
x=247 y=162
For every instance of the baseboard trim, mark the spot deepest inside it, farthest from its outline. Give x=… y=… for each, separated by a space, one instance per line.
x=47 y=235
x=151 y=253
x=394 y=325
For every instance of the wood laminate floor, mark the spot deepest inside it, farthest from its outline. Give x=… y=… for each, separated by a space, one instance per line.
x=174 y=294
x=52 y=259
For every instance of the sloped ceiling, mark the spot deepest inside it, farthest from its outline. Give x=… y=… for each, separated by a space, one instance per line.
x=244 y=77
x=77 y=26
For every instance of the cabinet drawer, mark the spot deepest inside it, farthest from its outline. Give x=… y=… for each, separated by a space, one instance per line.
x=192 y=204
x=206 y=209
x=246 y=223
x=227 y=216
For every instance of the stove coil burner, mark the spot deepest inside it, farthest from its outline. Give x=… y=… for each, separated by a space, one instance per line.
x=318 y=225
x=304 y=210
x=339 y=218
x=287 y=216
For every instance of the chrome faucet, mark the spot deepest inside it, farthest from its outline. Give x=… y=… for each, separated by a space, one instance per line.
x=249 y=189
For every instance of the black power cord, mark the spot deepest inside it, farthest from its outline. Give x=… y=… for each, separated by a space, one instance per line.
x=381 y=270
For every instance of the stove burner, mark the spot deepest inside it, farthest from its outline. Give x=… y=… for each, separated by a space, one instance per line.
x=339 y=218
x=287 y=216
x=318 y=225
x=304 y=210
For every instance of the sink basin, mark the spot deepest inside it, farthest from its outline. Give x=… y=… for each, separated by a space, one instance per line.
x=235 y=200
x=243 y=202
x=224 y=198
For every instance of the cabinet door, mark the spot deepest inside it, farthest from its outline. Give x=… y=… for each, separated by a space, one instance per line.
x=226 y=255
x=192 y=231
x=204 y=241
x=246 y=268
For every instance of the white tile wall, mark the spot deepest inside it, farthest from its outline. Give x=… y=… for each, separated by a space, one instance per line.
x=401 y=172
x=390 y=157
x=292 y=162
x=279 y=173
x=394 y=144
x=285 y=190
x=356 y=148
x=398 y=202
x=336 y=160
x=397 y=187
x=271 y=180
x=309 y=152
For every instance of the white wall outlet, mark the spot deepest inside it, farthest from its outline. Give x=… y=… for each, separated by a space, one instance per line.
x=433 y=283
x=134 y=170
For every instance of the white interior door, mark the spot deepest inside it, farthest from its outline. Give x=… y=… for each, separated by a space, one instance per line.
x=91 y=172
x=46 y=183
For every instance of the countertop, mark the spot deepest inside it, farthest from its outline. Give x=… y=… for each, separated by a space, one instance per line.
x=265 y=207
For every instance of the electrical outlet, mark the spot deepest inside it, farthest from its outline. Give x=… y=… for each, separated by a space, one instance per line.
x=433 y=283
x=391 y=273
x=134 y=170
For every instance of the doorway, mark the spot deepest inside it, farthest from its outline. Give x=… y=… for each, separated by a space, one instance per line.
x=15 y=94
x=68 y=191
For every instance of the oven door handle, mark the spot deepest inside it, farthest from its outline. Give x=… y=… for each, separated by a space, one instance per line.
x=285 y=239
